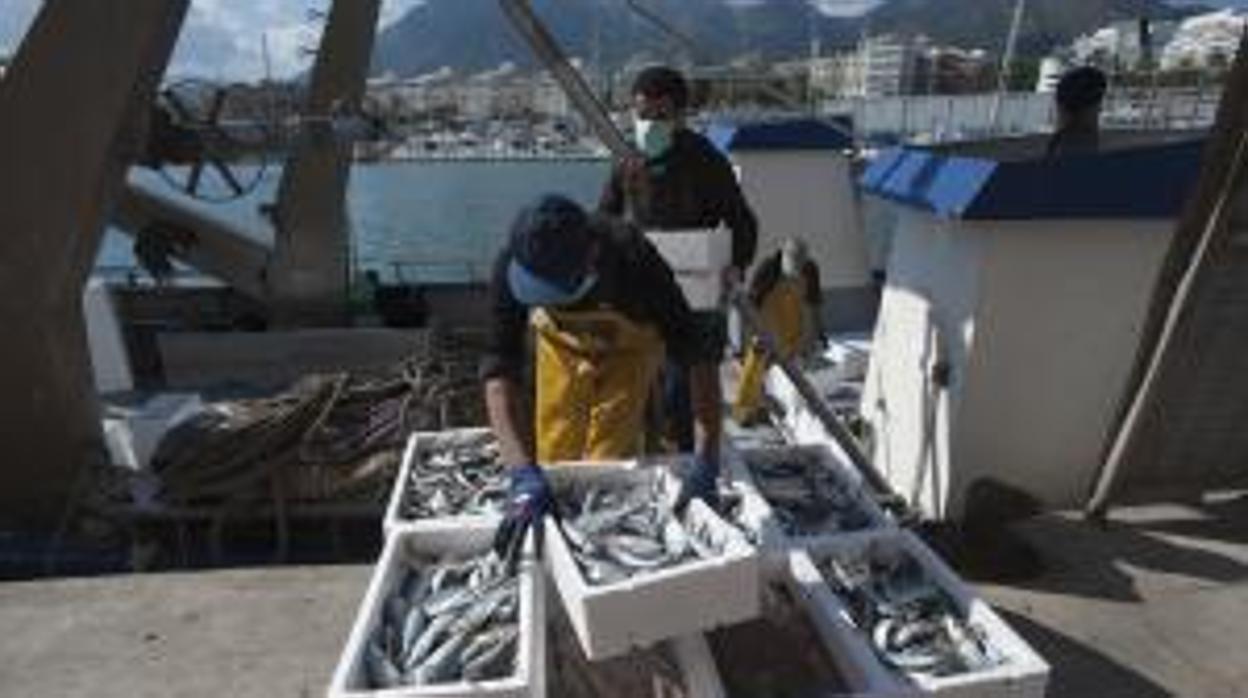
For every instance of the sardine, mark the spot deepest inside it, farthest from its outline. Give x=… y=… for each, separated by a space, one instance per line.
x=458 y=478
x=628 y=529
x=913 y=624
x=805 y=494
x=434 y=614
x=380 y=670
x=493 y=661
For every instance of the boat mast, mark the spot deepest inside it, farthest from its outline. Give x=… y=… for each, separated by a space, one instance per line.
x=1007 y=61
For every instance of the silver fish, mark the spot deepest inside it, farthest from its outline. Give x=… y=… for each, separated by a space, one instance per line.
x=628 y=529
x=912 y=623
x=500 y=650
x=805 y=494
x=462 y=477
x=447 y=609
x=381 y=671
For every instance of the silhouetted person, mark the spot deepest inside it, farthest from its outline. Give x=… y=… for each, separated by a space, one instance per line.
x=1080 y=93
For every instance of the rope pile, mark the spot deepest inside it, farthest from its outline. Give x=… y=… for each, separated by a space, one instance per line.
x=328 y=438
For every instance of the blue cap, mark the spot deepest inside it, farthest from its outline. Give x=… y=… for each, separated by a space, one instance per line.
x=551 y=243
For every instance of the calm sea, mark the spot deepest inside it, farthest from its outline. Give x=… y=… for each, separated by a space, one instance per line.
x=419 y=221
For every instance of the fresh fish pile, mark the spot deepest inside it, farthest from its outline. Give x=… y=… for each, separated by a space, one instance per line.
x=463 y=477
x=446 y=622
x=913 y=624
x=630 y=529
x=805 y=495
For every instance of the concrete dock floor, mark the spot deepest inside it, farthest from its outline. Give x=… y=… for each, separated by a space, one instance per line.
x=1156 y=605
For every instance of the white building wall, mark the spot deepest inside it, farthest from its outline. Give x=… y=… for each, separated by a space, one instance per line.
x=927 y=315
x=808 y=195
x=1039 y=321
x=1061 y=307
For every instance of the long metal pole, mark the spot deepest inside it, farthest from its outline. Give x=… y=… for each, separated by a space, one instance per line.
x=1007 y=62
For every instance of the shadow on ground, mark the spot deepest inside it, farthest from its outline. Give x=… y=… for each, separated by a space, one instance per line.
x=1079 y=670
x=1068 y=555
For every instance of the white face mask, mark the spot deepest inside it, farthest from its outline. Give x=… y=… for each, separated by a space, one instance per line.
x=790 y=265
x=653 y=137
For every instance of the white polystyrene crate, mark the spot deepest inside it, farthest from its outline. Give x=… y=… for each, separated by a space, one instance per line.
x=801 y=425
x=419 y=444
x=529 y=680
x=697 y=664
x=685 y=599
x=702 y=249
x=854 y=667
x=698 y=259
x=1024 y=674
x=757 y=515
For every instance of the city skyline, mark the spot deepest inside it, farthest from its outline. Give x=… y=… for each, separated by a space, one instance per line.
x=222 y=39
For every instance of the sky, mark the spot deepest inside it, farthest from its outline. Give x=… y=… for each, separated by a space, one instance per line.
x=221 y=39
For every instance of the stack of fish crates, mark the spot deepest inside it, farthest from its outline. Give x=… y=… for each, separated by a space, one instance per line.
x=445 y=504
x=444 y=507
x=897 y=619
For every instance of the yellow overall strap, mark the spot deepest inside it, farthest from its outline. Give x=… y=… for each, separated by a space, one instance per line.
x=594 y=372
x=782 y=311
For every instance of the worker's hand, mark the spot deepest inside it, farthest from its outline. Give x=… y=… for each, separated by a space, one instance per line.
x=529 y=500
x=699 y=482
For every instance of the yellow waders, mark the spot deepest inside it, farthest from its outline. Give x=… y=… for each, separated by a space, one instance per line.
x=594 y=372
x=783 y=313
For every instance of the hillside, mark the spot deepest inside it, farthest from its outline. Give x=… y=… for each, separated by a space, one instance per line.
x=472 y=35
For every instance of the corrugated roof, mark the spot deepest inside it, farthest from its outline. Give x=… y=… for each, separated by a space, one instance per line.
x=789 y=134
x=1140 y=182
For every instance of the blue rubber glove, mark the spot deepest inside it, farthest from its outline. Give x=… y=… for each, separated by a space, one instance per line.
x=529 y=500
x=701 y=481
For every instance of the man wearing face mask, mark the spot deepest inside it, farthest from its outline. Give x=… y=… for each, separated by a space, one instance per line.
x=602 y=308
x=786 y=290
x=683 y=183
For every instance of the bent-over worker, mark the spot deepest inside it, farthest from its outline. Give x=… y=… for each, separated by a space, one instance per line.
x=602 y=308
x=786 y=290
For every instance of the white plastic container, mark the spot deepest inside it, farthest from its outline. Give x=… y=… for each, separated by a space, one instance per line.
x=758 y=516
x=419 y=446
x=698 y=665
x=1023 y=674
x=801 y=425
x=698 y=258
x=529 y=680
x=682 y=600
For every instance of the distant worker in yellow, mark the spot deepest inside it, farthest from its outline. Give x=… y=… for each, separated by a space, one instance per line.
x=602 y=308
x=786 y=290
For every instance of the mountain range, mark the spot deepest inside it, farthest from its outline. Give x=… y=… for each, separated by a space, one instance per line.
x=473 y=35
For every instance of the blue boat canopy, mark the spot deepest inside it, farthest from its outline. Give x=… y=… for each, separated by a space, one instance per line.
x=1139 y=182
x=789 y=134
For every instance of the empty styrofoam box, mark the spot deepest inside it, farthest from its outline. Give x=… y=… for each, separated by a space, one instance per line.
x=688 y=598
x=133 y=434
x=1021 y=674
x=420 y=445
x=529 y=680
x=758 y=515
x=701 y=249
x=698 y=259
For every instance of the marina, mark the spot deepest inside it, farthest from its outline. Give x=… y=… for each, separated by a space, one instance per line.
x=370 y=376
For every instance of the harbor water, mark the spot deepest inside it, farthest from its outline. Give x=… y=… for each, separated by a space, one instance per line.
x=428 y=222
